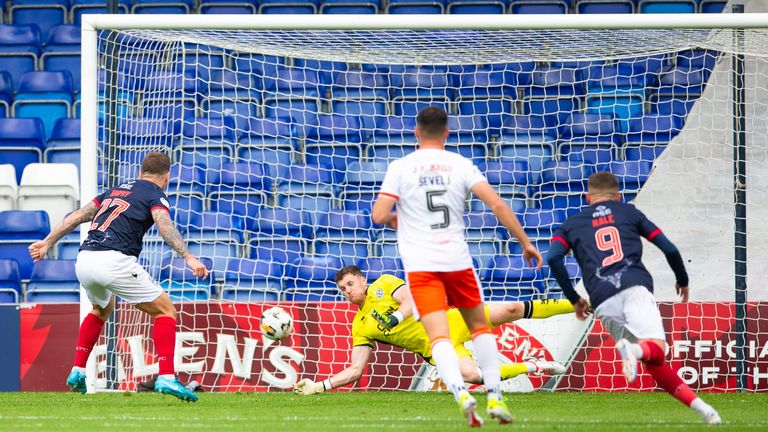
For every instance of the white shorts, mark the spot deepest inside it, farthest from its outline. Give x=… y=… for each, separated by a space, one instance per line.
x=103 y=273
x=632 y=314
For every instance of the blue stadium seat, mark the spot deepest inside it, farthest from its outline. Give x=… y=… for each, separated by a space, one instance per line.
x=324 y=70
x=239 y=188
x=10 y=281
x=68 y=61
x=301 y=7
x=591 y=138
x=483 y=226
x=177 y=279
x=343 y=234
x=359 y=7
x=605 y=7
x=139 y=132
x=21 y=142
x=252 y=280
x=645 y=65
x=292 y=82
x=418 y=87
x=53 y=281
x=258 y=66
x=168 y=95
x=215 y=226
x=63 y=145
x=219 y=251
x=681 y=82
x=374 y=268
x=187 y=180
x=335 y=141
x=207 y=141
x=6 y=93
x=68 y=247
x=468 y=137
x=248 y=7
x=278 y=249
x=526 y=138
x=564 y=177
x=19 y=49
x=648 y=136
x=19 y=229
x=279 y=222
x=511 y=279
x=362 y=181
x=539 y=223
x=666 y=6
x=42 y=13
x=546 y=7
x=552 y=110
x=392 y=139
x=367 y=110
x=360 y=84
x=271 y=141
x=422 y=7
x=311 y=279
x=678 y=106
x=697 y=59
x=472 y=7
x=491 y=90
x=631 y=174
x=162 y=6
x=553 y=81
x=45 y=95
x=510 y=179
x=307 y=187
x=181 y=203
x=712 y=6
x=80 y=7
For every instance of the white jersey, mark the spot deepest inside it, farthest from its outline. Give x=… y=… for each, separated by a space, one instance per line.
x=431 y=188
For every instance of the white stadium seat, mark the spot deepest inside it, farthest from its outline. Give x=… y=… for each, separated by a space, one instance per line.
x=8 y=187
x=51 y=187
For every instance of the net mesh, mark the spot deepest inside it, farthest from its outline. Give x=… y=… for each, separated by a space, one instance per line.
x=280 y=139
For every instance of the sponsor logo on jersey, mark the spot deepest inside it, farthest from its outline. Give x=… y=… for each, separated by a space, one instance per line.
x=379 y=293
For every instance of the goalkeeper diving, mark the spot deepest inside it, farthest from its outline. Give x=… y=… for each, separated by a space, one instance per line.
x=385 y=315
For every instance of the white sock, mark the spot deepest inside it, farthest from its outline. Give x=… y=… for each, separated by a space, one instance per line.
x=447 y=364
x=488 y=359
x=701 y=407
x=637 y=350
x=168 y=376
x=81 y=369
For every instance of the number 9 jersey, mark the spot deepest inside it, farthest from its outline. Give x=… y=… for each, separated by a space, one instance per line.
x=431 y=188
x=124 y=216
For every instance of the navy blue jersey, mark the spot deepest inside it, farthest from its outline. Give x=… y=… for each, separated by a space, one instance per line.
x=124 y=216
x=605 y=239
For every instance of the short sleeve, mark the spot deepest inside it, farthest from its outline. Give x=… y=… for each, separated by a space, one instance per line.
x=98 y=199
x=561 y=235
x=159 y=201
x=358 y=336
x=390 y=187
x=390 y=284
x=474 y=176
x=645 y=227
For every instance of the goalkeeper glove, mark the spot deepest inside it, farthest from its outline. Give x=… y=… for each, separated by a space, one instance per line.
x=388 y=321
x=308 y=387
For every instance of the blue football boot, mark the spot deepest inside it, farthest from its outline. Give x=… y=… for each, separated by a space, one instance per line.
x=76 y=381
x=172 y=386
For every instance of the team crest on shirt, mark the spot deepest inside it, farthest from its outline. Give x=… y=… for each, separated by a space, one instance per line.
x=379 y=293
x=601 y=211
x=165 y=202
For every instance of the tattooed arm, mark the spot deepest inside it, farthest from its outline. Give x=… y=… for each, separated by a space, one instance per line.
x=38 y=249
x=172 y=236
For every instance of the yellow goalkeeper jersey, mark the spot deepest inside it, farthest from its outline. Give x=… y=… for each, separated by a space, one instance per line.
x=409 y=334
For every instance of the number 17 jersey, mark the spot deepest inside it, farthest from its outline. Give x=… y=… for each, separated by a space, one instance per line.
x=431 y=188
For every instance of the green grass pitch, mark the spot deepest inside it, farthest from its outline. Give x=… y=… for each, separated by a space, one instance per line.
x=370 y=411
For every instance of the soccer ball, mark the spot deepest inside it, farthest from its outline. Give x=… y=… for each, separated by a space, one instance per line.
x=276 y=324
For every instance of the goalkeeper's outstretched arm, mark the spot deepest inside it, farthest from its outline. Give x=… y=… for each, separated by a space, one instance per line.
x=360 y=356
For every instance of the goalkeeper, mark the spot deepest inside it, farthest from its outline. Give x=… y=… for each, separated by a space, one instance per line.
x=384 y=315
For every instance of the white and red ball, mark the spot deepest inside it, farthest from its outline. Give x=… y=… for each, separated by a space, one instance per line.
x=276 y=323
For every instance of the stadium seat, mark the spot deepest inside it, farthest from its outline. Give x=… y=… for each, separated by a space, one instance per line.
x=483 y=226
x=168 y=95
x=666 y=6
x=154 y=256
x=19 y=49
x=162 y=6
x=218 y=251
x=64 y=38
x=80 y=7
x=605 y=7
x=279 y=222
x=362 y=180
x=307 y=187
x=510 y=179
x=311 y=279
x=631 y=174
x=248 y=7
x=19 y=229
x=181 y=285
x=678 y=106
x=54 y=188
x=552 y=110
x=511 y=279
x=8 y=187
x=712 y=6
x=290 y=7
x=21 y=142
x=276 y=248
x=562 y=186
x=181 y=203
x=421 y=7
x=392 y=139
x=360 y=85
x=697 y=59
x=367 y=110
x=546 y=7
x=468 y=137
x=539 y=223
x=343 y=234
x=374 y=268
x=358 y=7
x=472 y=7
x=526 y=138
x=258 y=66
x=680 y=81
x=6 y=93
x=187 y=180
x=207 y=141
x=271 y=141
x=418 y=87
x=42 y=13
x=239 y=188
x=45 y=95
x=214 y=226
x=592 y=138
x=334 y=141
x=10 y=281
x=252 y=280
x=554 y=81
x=53 y=281
x=68 y=247
x=648 y=136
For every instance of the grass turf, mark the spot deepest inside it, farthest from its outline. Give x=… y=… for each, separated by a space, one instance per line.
x=277 y=412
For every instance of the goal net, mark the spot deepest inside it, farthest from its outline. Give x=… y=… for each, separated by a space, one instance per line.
x=280 y=139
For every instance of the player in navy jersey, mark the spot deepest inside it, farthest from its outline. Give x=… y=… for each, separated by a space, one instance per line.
x=107 y=265
x=606 y=241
